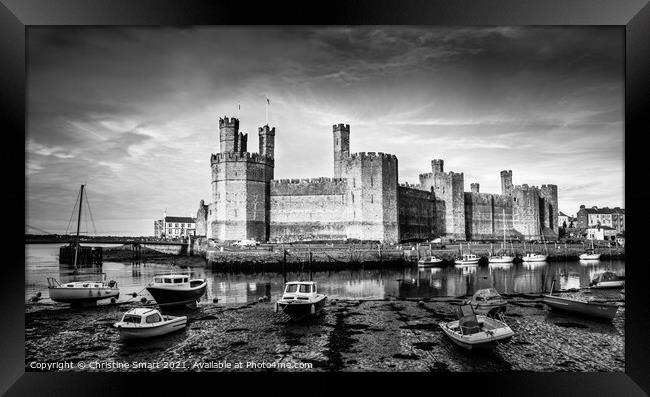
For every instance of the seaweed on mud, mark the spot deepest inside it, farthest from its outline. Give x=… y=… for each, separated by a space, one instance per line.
x=426 y=346
x=425 y=326
x=339 y=342
x=439 y=367
x=238 y=343
x=237 y=330
x=411 y=356
x=569 y=324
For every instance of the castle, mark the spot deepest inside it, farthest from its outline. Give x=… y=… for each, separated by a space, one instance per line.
x=363 y=201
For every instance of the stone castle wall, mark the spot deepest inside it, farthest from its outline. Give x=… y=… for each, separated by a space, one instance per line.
x=309 y=209
x=448 y=187
x=417 y=214
x=526 y=216
x=479 y=218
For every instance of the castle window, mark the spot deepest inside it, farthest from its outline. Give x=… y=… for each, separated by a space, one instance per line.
x=372 y=200
x=352 y=195
x=235 y=213
x=371 y=181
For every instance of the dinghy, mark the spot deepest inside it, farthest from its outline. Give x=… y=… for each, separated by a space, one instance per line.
x=589 y=308
x=487 y=302
x=142 y=323
x=473 y=331
x=429 y=261
x=608 y=280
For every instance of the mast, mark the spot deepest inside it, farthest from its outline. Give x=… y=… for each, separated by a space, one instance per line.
x=76 y=251
x=504 y=229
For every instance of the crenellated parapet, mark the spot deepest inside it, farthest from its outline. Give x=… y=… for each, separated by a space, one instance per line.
x=246 y=157
x=309 y=187
x=372 y=156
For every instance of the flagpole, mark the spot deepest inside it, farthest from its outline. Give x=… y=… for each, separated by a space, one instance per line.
x=239 y=111
x=267 y=111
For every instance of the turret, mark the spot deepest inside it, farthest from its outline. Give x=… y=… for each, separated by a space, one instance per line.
x=506 y=182
x=341 y=134
x=243 y=143
x=267 y=141
x=475 y=187
x=437 y=166
x=229 y=134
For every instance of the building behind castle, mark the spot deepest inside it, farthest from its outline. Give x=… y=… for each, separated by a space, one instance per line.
x=362 y=201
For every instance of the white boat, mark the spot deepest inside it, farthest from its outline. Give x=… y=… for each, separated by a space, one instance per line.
x=141 y=323
x=532 y=257
x=487 y=302
x=177 y=289
x=473 y=331
x=82 y=292
x=86 y=292
x=429 y=261
x=590 y=255
x=608 y=280
x=468 y=259
x=300 y=299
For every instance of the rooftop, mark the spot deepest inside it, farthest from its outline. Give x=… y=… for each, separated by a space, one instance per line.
x=604 y=210
x=181 y=219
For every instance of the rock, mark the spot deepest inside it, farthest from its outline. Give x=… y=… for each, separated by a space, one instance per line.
x=215 y=300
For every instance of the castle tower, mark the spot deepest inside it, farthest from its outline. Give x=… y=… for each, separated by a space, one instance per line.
x=341 y=134
x=449 y=189
x=240 y=202
x=267 y=141
x=475 y=187
x=228 y=134
x=506 y=182
x=548 y=198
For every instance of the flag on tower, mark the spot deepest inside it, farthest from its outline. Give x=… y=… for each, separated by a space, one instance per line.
x=267 y=101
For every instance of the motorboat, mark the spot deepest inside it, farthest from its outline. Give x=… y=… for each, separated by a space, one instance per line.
x=142 y=323
x=82 y=292
x=468 y=259
x=300 y=299
x=591 y=308
x=533 y=257
x=472 y=331
x=176 y=290
x=429 y=261
x=608 y=280
x=487 y=302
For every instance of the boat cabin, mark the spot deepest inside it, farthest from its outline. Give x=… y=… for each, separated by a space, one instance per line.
x=172 y=280
x=300 y=289
x=142 y=316
x=487 y=295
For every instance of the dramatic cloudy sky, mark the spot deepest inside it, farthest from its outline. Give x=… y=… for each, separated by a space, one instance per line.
x=134 y=112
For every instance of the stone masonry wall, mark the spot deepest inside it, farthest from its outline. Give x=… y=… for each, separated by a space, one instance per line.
x=526 y=217
x=479 y=218
x=417 y=214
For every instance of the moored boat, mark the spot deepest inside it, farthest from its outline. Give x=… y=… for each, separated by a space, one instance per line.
x=589 y=308
x=468 y=259
x=608 y=280
x=473 y=331
x=590 y=255
x=487 y=302
x=142 y=323
x=82 y=292
x=500 y=259
x=300 y=299
x=176 y=290
x=429 y=261
x=533 y=257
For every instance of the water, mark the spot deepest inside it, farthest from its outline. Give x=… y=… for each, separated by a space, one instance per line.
x=410 y=282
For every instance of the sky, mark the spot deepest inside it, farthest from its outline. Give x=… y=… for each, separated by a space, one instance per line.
x=133 y=112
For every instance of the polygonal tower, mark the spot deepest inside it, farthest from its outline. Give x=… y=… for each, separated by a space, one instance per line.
x=239 y=208
x=506 y=182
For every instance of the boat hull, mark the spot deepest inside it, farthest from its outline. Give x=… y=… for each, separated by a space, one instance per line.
x=300 y=308
x=541 y=258
x=138 y=331
x=591 y=309
x=609 y=284
x=430 y=263
x=589 y=257
x=82 y=295
x=490 y=309
x=501 y=259
x=170 y=297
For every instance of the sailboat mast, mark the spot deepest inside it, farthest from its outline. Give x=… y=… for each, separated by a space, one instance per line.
x=76 y=251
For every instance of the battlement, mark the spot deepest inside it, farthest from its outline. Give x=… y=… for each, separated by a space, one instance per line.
x=506 y=173
x=309 y=181
x=244 y=157
x=266 y=130
x=228 y=122
x=372 y=156
x=549 y=187
x=525 y=187
x=341 y=127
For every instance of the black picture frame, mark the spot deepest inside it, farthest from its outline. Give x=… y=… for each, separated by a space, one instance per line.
x=16 y=15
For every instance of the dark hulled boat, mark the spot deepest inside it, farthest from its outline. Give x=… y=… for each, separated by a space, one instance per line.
x=176 y=290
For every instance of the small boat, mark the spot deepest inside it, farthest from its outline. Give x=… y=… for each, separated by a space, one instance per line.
x=533 y=257
x=429 y=261
x=503 y=258
x=176 y=290
x=589 y=308
x=468 y=259
x=300 y=299
x=608 y=280
x=82 y=292
x=487 y=302
x=141 y=323
x=590 y=255
x=473 y=331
